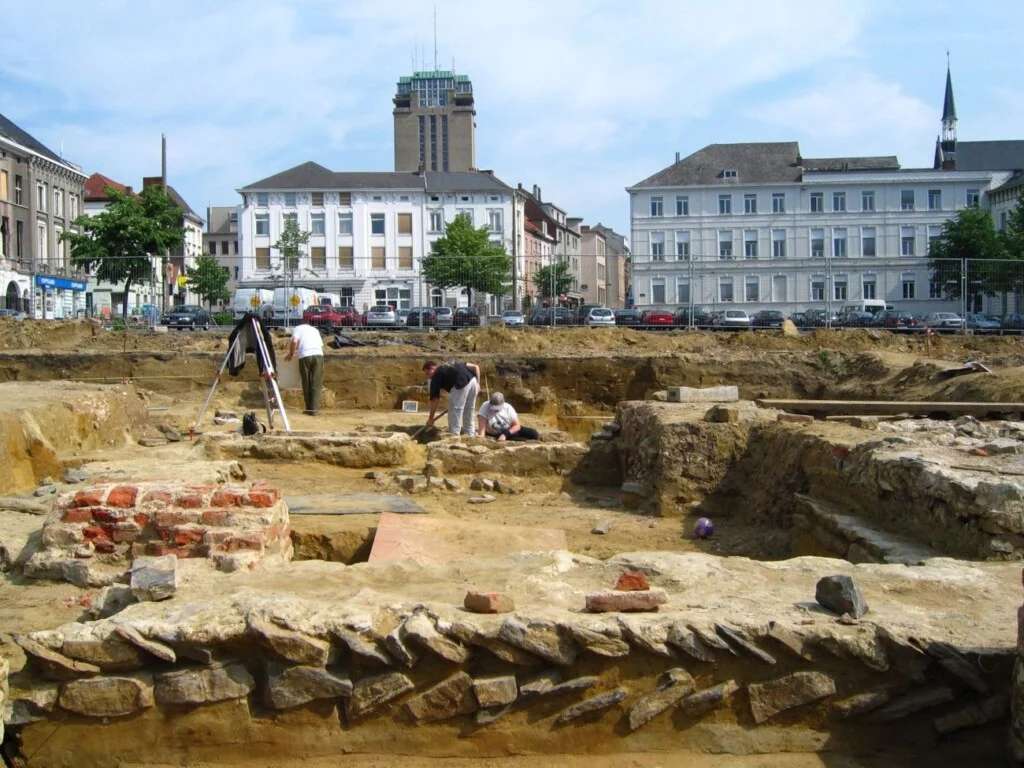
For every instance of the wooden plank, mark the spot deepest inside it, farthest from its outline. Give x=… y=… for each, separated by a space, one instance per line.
x=443 y=539
x=352 y=504
x=888 y=407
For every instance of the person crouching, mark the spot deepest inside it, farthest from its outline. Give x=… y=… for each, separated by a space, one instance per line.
x=499 y=420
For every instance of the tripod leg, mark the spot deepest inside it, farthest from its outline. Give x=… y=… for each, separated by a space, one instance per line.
x=216 y=381
x=268 y=372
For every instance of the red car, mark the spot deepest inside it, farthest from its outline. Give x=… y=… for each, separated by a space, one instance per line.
x=326 y=316
x=657 y=317
x=896 y=319
x=466 y=316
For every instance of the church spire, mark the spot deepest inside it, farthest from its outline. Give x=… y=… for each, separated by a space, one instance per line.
x=948 y=106
x=945 y=151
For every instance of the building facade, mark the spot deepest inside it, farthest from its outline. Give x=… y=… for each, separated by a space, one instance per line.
x=435 y=123
x=184 y=256
x=40 y=197
x=617 y=261
x=369 y=232
x=221 y=240
x=594 y=278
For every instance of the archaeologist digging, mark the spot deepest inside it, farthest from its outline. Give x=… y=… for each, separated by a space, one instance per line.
x=499 y=420
x=462 y=383
x=307 y=342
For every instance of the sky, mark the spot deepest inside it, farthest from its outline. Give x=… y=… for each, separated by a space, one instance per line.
x=582 y=98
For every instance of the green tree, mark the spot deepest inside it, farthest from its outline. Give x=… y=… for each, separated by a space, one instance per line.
x=554 y=280
x=209 y=279
x=1013 y=234
x=119 y=243
x=290 y=245
x=970 y=235
x=466 y=258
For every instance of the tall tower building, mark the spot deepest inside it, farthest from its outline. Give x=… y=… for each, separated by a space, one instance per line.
x=435 y=122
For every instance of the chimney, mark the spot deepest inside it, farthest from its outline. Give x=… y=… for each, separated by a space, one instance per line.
x=677 y=157
x=520 y=186
x=422 y=168
x=536 y=192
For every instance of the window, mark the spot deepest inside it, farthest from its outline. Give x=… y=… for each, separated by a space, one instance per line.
x=657 y=207
x=224 y=247
x=658 y=291
x=41 y=196
x=868 y=242
x=934 y=290
x=405 y=223
x=839 y=242
x=840 y=291
x=682 y=246
x=73 y=199
x=750 y=203
x=262 y=223
x=494 y=223
x=435 y=198
x=973 y=198
x=318 y=257
x=725 y=289
x=778 y=243
x=657 y=246
x=376 y=223
x=318 y=224
x=909 y=282
x=212 y=247
x=750 y=244
x=682 y=205
x=752 y=289
x=42 y=252
x=867 y=201
x=262 y=258
x=817 y=243
x=436 y=221
x=378 y=258
x=907 y=237
x=467 y=214
x=344 y=198
x=289 y=199
x=869 y=288
x=405 y=257
x=292 y=217
x=934 y=199
x=906 y=200
x=464 y=199
x=17 y=190
x=730 y=173
x=345 y=259
x=262 y=199
x=817 y=289
x=838 y=201
x=378 y=198
x=3 y=185
x=348 y=297
x=682 y=292
x=60 y=247
x=236 y=272
x=19 y=230
x=725 y=244
x=235 y=242
x=934 y=236
x=817 y=202
x=725 y=204
x=344 y=223
x=778 y=202
x=318 y=200
x=58 y=203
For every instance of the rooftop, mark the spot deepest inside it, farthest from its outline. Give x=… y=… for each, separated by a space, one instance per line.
x=12 y=132
x=313 y=176
x=1006 y=155
x=96 y=188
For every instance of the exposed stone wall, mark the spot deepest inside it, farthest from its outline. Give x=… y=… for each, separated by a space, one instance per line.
x=1017 y=693
x=482 y=456
x=360 y=451
x=94 y=534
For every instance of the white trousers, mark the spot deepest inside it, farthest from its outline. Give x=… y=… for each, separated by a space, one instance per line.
x=462 y=409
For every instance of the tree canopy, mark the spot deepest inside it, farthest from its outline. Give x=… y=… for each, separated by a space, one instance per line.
x=466 y=258
x=119 y=244
x=290 y=244
x=208 y=279
x=970 y=235
x=553 y=280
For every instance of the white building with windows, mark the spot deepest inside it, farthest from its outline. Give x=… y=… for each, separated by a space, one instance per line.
x=369 y=231
x=758 y=226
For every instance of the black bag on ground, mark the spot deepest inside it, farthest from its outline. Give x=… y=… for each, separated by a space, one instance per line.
x=250 y=426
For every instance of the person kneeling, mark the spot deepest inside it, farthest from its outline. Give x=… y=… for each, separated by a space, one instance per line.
x=499 y=420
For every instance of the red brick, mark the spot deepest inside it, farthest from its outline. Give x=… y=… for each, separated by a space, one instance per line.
x=632 y=581
x=214 y=537
x=189 y=500
x=253 y=542
x=612 y=601
x=123 y=496
x=94 y=533
x=158 y=549
x=157 y=497
x=141 y=520
x=125 y=532
x=104 y=515
x=488 y=602
x=226 y=499
x=90 y=497
x=83 y=515
x=215 y=517
x=103 y=546
x=172 y=517
x=840 y=451
x=261 y=498
x=263 y=485
x=184 y=537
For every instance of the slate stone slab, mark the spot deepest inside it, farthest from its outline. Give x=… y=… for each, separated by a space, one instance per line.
x=352 y=504
x=840 y=594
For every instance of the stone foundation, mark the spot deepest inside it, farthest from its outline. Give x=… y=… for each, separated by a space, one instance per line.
x=525 y=459
x=360 y=451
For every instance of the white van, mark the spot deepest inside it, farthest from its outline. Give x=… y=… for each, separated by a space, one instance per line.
x=874 y=306
x=250 y=300
x=290 y=303
x=330 y=299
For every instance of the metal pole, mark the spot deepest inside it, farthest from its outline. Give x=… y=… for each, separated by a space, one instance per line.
x=515 y=251
x=963 y=292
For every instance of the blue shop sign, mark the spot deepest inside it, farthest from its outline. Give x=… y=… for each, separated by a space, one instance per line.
x=59 y=282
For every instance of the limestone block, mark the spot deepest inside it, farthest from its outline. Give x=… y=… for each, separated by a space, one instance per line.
x=99 y=644
x=420 y=629
x=295 y=647
x=600 y=639
x=622 y=602
x=552 y=683
x=647 y=635
x=288 y=687
x=219 y=682
x=860 y=703
x=495 y=691
x=136 y=638
x=784 y=693
x=594 y=704
x=53 y=664
x=154 y=578
x=723 y=394
x=672 y=687
x=840 y=594
x=107 y=696
x=449 y=698
x=683 y=638
x=723 y=414
x=111 y=600
x=371 y=693
x=915 y=701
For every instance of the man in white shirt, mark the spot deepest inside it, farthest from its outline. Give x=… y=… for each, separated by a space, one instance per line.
x=307 y=342
x=499 y=420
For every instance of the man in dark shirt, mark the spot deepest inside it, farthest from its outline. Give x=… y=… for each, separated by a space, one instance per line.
x=462 y=383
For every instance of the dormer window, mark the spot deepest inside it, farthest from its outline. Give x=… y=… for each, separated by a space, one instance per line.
x=730 y=173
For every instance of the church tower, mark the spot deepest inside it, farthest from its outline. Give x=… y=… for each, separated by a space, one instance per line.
x=945 y=145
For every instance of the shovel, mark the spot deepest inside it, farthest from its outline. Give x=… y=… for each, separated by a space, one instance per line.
x=419 y=431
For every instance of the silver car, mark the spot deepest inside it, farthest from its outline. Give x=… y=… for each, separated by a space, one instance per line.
x=513 y=318
x=731 y=318
x=381 y=315
x=445 y=316
x=600 y=317
x=943 y=321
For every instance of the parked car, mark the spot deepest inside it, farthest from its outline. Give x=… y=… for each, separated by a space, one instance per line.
x=581 y=313
x=767 y=318
x=600 y=317
x=547 y=316
x=896 y=319
x=627 y=317
x=421 y=317
x=943 y=321
x=818 y=318
x=322 y=316
x=401 y=315
x=701 y=318
x=466 y=317
x=444 y=315
x=513 y=318
x=189 y=317
x=856 y=319
x=736 y=319
x=13 y=314
x=1013 y=322
x=349 y=316
x=381 y=316
x=983 y=323
x=657 y=318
